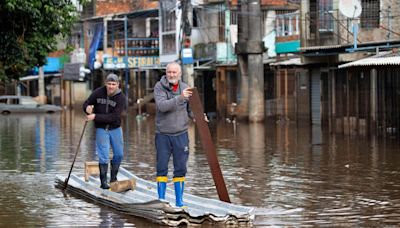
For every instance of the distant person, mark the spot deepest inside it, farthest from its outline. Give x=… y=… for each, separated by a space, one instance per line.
x=105 y=106
x=172 y=118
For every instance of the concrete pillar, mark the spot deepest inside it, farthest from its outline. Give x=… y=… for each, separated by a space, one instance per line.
x=255 y=64
x=42 y=97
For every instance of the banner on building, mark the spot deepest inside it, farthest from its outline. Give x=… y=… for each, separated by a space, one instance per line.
x=130 y=62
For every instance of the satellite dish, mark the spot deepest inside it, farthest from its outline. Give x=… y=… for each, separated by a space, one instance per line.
x=350 y=8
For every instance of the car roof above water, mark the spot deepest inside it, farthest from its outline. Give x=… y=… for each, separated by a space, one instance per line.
x=15 y=96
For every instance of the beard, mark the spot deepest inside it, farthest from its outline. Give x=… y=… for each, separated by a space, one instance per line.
x=173 y=81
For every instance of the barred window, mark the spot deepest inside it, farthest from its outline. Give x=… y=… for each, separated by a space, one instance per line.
x=370 y=14
x=325 y=15
x=168 y=15
x=169 y=22
x=234 y=17
x=286 y=23
x=221 y=22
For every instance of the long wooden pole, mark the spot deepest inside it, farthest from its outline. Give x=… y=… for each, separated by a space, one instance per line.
x=208 y=146
x=76 y=153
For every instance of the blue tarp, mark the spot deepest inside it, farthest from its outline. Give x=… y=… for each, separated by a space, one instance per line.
x=98 y=35
x=53 y=65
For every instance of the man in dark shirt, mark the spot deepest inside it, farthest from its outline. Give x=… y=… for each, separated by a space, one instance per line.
x=104 y=106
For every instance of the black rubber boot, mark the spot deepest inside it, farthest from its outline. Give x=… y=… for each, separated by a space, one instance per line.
x=103 y=176
x=114 y=172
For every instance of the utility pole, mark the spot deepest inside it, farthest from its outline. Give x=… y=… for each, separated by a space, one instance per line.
x=228 y=31
x=187 y=51
x=255 y=63
x=250 y=49
x=243 y=106
x=126 y=63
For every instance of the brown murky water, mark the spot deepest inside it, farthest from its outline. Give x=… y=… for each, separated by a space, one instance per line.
x=294 y=176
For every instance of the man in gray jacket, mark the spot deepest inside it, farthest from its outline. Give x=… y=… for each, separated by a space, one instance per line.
x=172 y=118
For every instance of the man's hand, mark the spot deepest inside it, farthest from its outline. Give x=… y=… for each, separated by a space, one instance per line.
x=91 y=117
x=186 y=93
x=89 y=109
x=206 y=118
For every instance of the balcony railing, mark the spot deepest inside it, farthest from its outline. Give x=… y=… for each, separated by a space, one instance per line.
x=325 y=28
x=144 y=46
x=287 y=24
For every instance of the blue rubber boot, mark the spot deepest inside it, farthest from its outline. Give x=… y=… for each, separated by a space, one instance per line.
x=179 y=184
x=161 y=186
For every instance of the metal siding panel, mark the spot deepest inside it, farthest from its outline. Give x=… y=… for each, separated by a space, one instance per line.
x=315 y=97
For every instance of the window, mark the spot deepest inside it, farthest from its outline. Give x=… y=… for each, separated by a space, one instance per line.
x=196 y=19
x=14 y=101
x=169 y=44
x=234 y=17
x=286 y=23
x=370 y=14
x=321 y=16
x=325 y=15
x=221 y=22
x=168 y=15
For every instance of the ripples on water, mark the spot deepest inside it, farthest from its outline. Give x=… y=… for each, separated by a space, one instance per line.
x=292 y=176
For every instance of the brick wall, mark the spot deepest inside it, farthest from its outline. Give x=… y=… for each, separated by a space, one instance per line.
x=104 y=7
x=274 y=2
x=265 y=2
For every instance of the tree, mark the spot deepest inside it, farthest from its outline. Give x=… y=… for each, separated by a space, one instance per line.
x=29 y=31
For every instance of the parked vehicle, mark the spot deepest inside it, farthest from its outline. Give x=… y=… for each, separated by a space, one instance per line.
x=24 y=104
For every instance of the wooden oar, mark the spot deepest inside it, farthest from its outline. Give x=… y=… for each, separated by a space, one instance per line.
x=76 y=153
x=208 y=146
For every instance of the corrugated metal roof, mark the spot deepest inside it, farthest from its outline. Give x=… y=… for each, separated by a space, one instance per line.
x=325 y=47
x=382 y=59
x=36 y=77
x=143 y=202
x=289 y=62
x=385 y=44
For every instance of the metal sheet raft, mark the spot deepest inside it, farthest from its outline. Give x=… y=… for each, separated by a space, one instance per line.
x=143 y=202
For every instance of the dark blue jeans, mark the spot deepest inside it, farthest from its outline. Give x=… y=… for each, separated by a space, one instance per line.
x=178 y=146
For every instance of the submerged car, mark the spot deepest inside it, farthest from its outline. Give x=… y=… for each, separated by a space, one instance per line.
x=24 y=104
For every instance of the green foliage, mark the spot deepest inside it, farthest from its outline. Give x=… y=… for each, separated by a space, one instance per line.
x=29 y=31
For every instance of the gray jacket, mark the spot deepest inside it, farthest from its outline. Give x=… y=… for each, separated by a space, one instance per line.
x=172 y=110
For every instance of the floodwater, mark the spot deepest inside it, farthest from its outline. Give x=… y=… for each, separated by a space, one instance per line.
x=294 y=176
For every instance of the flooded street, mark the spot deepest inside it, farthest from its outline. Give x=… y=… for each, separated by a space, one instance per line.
x=294 y=176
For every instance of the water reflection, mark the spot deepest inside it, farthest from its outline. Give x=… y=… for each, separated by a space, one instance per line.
x=294 y=175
